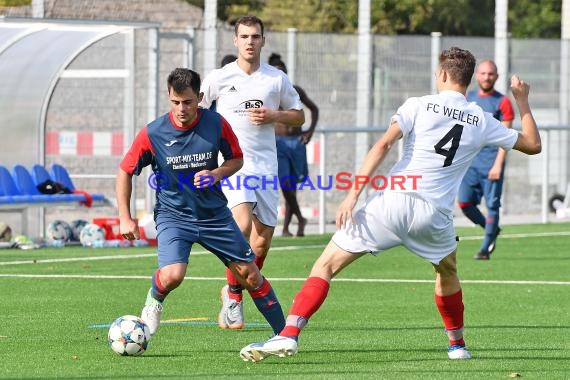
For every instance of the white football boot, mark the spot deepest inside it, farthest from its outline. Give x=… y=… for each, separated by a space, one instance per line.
x=281 y=346
x=151 y=313
x=231 y=315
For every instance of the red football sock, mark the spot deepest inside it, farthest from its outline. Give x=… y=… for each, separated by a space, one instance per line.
x=259 y=260
x=451 y=311
x=306 y=303
x=235 y=288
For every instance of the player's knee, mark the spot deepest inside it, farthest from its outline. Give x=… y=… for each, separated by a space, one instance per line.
x=253 y=280
x=172 y=280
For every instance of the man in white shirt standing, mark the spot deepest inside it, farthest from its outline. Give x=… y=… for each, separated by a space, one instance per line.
x=441 y=134
x=251 y=96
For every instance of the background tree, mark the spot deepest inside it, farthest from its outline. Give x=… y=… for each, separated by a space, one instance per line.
x=527 y=18
x=535 y=19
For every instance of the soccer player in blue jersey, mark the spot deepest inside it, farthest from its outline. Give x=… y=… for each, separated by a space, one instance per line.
x=441 y=135
x=485 y=176
x=182 y=148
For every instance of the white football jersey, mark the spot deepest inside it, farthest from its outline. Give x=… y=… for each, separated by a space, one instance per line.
x=442 y=134
x=235 y=92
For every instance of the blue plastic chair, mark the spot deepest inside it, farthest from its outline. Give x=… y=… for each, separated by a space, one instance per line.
x=24 y=180
x=60 y=174
x=40 y=174
x=10 y=191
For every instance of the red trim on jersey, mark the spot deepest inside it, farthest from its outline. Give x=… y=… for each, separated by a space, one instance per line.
x=140 y=145
x=506 y=107
x=184 y=127
x=507 y=110
x=229 y=135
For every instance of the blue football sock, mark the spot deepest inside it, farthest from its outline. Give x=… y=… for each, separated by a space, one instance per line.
x=267 y=303
x=474 y=214
x=491 y=229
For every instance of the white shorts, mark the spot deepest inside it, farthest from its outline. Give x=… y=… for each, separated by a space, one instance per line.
x=389 y=219
x=263 y=195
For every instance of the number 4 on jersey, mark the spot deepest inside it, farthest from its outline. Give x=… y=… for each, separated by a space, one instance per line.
x=454 y=135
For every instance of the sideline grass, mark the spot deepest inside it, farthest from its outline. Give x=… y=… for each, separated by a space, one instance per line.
x=51 y=327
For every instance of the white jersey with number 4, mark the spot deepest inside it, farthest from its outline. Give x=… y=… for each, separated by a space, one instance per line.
x=442 y=134
x=235 y=92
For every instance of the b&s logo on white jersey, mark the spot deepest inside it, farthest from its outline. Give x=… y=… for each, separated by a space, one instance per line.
x=246 y=105
x=253 y=103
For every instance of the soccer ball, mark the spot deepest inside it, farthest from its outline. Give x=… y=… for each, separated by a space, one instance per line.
x=90 y=234
x=59 y=230
x=129 y=336
x=76 y=227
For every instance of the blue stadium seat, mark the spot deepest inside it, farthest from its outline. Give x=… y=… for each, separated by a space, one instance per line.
x=19 y=190
x=40 y=174
x=27 y=186
x=9 y=189
x=60 y=174
x=24 y=180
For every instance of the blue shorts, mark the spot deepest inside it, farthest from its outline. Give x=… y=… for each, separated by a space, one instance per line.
x=476 y=185
x=291 y=157
x=222 y=237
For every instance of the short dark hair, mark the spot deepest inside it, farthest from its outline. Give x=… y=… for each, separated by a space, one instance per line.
x=459 y=64
x=228 y=58
x=276 y=61
x=181 y=79
x=249 y=21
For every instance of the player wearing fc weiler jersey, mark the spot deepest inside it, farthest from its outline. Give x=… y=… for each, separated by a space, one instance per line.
x=182 y=148
x=442 y=134
x=485 y=176
x=252 y=96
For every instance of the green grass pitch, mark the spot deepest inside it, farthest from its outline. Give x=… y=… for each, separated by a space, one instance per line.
x=57 y=303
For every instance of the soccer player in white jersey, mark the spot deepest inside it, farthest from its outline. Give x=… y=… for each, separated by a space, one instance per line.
x=442 y=134
x=251 y=96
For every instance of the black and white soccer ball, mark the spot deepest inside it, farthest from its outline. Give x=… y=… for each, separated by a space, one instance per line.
x=59 y=230
x=129 y=336
x=76 y=227
x=90 y=234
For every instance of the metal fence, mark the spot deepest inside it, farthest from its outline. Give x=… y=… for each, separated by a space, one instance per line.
x=325 y=65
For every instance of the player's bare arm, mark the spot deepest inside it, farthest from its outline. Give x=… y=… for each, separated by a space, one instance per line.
x=205 y=178
x=124 y=186
x=292 y=118
x=307 y=135
x=497 y=168
x=373 y=159
x=529 y=139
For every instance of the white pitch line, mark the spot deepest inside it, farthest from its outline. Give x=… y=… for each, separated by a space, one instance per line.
x=290 y=279
x=287 y=248
x=132 y=256
x=515 y=236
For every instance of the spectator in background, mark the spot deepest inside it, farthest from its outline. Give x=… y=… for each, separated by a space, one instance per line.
x=228 y=58
x=485 y=176
x=292 y=155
